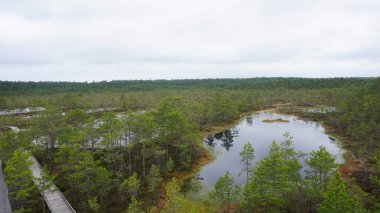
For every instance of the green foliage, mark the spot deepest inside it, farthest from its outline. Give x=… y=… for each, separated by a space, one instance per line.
x=336 y=199
x=176 y=202
x=225 y=192
x=309 y=194
x=88 y=180
x=131 y=185
x=247 y=155
x=135 y=206
x=290 y=157
x=76 y=118
x=19 y=181
x=166 y=135
x=191 y=186
x=321 y=164
x=93 y=204
x=275 y=177
x=173 y=196
x=172 y=127
x=76 y=128
x=112 y=129
x=375 y=182
x=358 y=116
x=12 y=88
x=45 y=182
x=169 y=166
x=67 y=157
x=3 y=103
x=48 y=125
x=13 y=141
x=154 y=180
x=225 y=110
x=143 y=135
x=163 y=137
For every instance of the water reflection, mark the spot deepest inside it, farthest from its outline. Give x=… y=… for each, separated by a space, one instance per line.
x=249 y=120
x=209 y=140
x=226 y=145
x=225 y=137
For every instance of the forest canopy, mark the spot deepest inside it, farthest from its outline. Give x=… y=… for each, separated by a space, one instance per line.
x=19 y=88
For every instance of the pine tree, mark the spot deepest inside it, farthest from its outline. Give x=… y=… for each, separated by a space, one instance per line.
x=130 y=124
x=173 y=196
x=19 y=181
x=225 y=192
x=176 y=202
x=247 y=155
x=49 y=123
x=131 y=185
x=135 y=206
x=13 y=141
x=143 y=135
x=272 y=181
x=88 y=179
x=321 y=164
x=290 y=157
x=154 y=180
x=337 y=199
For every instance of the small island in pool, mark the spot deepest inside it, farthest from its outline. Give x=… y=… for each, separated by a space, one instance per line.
x=275 y=120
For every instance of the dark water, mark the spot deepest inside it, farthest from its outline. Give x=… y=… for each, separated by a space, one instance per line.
x=226 y=145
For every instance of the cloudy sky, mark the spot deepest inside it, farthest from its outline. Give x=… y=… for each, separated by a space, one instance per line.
x=79 y=40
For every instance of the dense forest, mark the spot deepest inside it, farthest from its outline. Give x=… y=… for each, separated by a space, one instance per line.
x=146 y=94
x=119 y=146
x=15 y=88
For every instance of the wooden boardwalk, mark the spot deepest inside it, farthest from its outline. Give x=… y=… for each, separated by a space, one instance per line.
x=55 y=200
x=5 y=206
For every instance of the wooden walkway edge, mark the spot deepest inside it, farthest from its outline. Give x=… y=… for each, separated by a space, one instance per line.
x=5 y=206
x=55 y=200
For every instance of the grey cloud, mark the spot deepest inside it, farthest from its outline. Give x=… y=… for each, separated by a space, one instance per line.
x=96 y=40
x=370 y=54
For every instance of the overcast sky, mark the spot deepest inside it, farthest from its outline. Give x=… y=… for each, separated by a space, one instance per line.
x=78 y=40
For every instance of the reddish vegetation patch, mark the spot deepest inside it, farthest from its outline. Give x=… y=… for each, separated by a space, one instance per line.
x=350 y=166
x=357 y=168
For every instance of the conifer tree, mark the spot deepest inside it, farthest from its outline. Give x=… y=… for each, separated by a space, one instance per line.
x=271 y=183
x=225 y=192
x=135 y=206
x=19 y=180
x=337 y=199
x=247 y=155
x=321 y=164
x=154 y=180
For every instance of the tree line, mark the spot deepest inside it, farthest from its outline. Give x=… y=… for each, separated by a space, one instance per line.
x=27 y=88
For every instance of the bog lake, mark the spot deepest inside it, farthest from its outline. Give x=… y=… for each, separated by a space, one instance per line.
x=226 y=145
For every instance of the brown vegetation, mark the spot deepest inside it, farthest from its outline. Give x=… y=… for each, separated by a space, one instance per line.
x=278 y=120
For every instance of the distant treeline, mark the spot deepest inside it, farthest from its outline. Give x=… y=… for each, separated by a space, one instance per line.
x=41 y=88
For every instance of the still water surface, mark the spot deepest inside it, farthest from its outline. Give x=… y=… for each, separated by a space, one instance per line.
x=226 y=145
